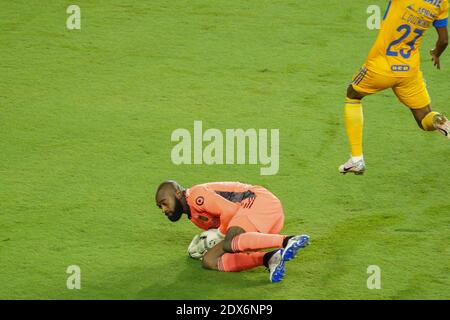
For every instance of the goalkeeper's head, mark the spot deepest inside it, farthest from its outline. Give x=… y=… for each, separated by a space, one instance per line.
x=171 y=199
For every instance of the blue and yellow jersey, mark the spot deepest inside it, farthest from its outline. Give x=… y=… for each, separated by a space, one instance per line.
x=396 y=50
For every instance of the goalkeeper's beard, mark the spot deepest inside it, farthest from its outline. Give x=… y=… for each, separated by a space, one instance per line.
x=177 y=212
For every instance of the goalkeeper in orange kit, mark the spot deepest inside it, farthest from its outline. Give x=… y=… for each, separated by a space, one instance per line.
x=249 y=218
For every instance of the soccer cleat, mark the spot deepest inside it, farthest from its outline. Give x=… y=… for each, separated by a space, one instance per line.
x=293 y=245
x=276 y=266
x=442 y=124
x=357 y=167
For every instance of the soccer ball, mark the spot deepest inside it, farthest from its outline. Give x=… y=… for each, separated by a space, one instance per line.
x=203 y=242
x=210 y=238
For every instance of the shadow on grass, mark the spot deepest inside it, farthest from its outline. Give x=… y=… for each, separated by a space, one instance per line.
x=193 y=282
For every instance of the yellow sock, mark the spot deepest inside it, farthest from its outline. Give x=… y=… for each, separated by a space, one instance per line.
x=427 y=121
x=354 y=121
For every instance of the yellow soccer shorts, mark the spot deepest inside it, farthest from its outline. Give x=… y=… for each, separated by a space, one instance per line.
x=411 y=91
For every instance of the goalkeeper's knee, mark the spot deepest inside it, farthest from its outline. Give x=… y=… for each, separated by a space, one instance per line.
x=231 y=233
x=210 y=262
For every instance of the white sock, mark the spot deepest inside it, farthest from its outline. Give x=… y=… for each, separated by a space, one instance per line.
x=356 y=159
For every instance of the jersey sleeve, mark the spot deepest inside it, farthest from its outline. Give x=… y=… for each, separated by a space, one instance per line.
x=442 y=19
x=206 y=200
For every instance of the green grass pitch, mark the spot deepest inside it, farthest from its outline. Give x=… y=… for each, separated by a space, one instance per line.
x=85 y=123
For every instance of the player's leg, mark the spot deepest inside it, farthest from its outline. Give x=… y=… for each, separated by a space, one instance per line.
x=243 y=235
x=429 y=120
x=238 y=239
x=221 y=257
x=354 y=122
x=212 y=256
x=413 y=93
x=257 y=228
x=363 y=83
x=424 y=117
x=229 y=261
x=217 y=259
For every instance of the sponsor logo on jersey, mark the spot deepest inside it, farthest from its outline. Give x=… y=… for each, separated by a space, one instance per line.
x=400 y=68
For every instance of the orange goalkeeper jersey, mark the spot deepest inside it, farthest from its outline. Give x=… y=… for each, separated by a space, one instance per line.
x=214 y=204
